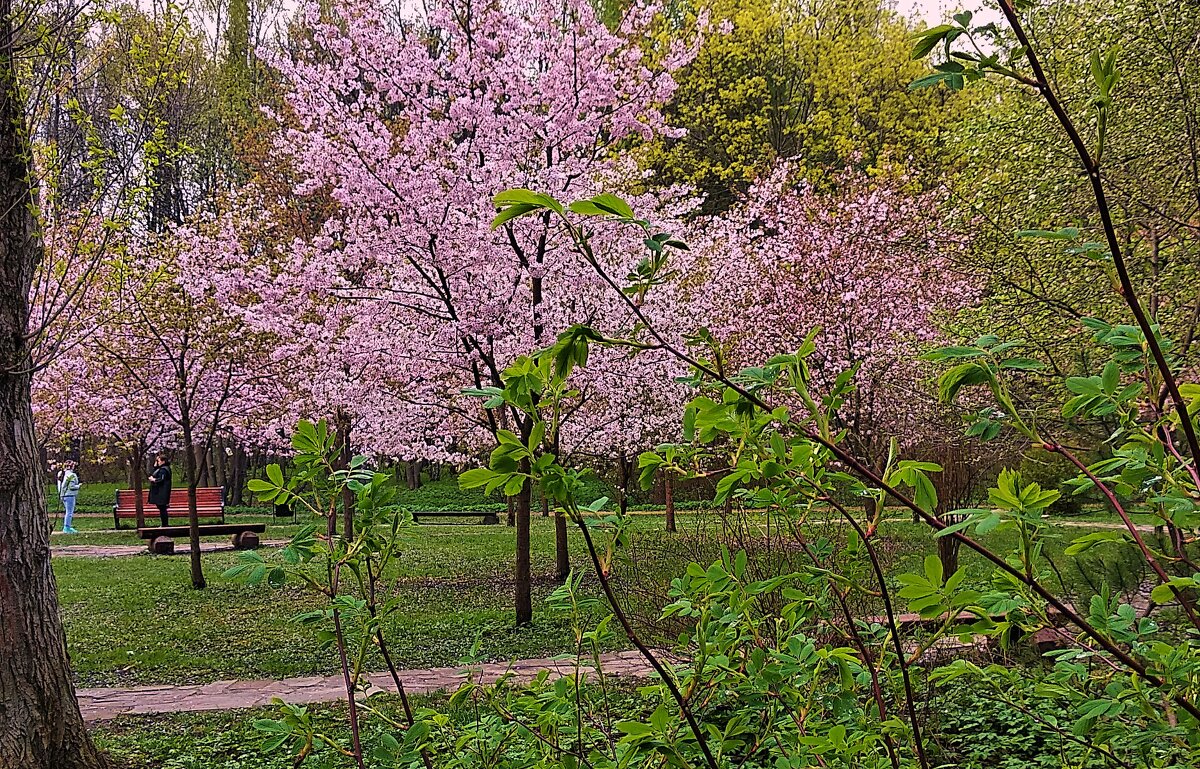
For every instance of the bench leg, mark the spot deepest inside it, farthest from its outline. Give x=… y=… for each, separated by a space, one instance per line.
x=162 y=546
x=245 y=540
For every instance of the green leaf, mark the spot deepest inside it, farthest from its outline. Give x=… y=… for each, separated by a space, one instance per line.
x=510 y=213
x=928 y=39
x=1023 y=364
x=933 y=570
x=275 y=474
x=473 y=479
x=1066 y=233
x=1111 y=377
x=927 y=81
x=586 y=208
x=1165 y=593
x=960 y=376
x=524 y=197
x=613 y=205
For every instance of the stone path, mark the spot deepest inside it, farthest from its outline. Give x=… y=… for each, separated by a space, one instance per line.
x=120 y=551
x=101 y=704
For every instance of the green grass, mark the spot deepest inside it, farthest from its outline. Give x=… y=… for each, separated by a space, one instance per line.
x=137 y=620
x=219 y=740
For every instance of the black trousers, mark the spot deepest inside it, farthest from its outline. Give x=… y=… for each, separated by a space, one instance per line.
x=162 y=512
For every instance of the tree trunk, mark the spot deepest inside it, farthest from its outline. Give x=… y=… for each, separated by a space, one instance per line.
x=512 y=511
x=220 y=467
x=137 y=475
x=622 y=484
x=40 y=724
x=562 y=556
x=201 y=464
x=191 y=471
x=669 y=501
x=545 y=505
x=524 y=574
x=237 y=480
x=342 y=421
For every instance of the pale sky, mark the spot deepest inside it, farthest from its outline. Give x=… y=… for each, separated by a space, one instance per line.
x=935 y=11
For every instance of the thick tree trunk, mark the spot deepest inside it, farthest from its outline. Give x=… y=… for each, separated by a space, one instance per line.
x=524 y=573
x=40 y=724
x=669 y=501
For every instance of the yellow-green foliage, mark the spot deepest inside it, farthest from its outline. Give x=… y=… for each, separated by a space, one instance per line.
x=822 y=82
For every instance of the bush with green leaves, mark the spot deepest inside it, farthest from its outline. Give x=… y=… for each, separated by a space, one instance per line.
x=779 y=669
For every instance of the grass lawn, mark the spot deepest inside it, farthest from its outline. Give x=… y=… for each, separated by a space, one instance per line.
x=136 y=619
x=218 y=740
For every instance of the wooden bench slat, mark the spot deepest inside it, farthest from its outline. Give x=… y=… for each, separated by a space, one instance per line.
x=210 y=530
x=210 y=503
x=488 y=517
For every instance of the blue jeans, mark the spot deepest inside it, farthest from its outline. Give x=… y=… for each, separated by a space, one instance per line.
x=69 y=511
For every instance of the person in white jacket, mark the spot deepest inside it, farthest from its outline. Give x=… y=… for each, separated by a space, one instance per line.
x=68 y=490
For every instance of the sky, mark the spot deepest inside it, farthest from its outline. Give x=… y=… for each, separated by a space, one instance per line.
x=935 y=11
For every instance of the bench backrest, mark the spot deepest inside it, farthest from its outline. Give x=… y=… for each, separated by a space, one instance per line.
x=206 y=499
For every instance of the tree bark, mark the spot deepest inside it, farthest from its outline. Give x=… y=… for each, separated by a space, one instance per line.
x=622 y=484
x=237 y=479
x=40 y=724
x=137 y=474
x=342 y=422
x=191 y=471
x=524 y=572
x=562 y=556
x=669 y=501
x=201 y=460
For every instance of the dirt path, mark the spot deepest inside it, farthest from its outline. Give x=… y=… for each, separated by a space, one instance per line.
x=121 y=551
x=101 y=704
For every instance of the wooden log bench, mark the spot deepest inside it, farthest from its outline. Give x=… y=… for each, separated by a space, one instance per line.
x=488 y=517
x=245 y=535
x=210 y=505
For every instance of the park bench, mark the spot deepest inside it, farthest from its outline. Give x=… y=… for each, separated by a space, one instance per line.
x=210 y=503
x=488 y=517
x=245 y=535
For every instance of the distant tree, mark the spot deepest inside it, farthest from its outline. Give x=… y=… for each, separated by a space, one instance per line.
x=824 y=85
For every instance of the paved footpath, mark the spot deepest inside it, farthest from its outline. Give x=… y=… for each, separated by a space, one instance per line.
x=119 y=551
x=101 y=704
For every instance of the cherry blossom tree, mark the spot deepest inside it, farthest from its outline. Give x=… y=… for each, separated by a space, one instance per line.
x=187 y=361
x=411 y=123
x=867 y=265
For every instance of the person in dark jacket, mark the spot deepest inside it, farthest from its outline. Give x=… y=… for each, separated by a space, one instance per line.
x=160 y=487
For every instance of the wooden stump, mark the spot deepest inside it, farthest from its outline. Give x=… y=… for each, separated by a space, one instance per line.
x=490 y=518
x=245 y=540
x=162 y=546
